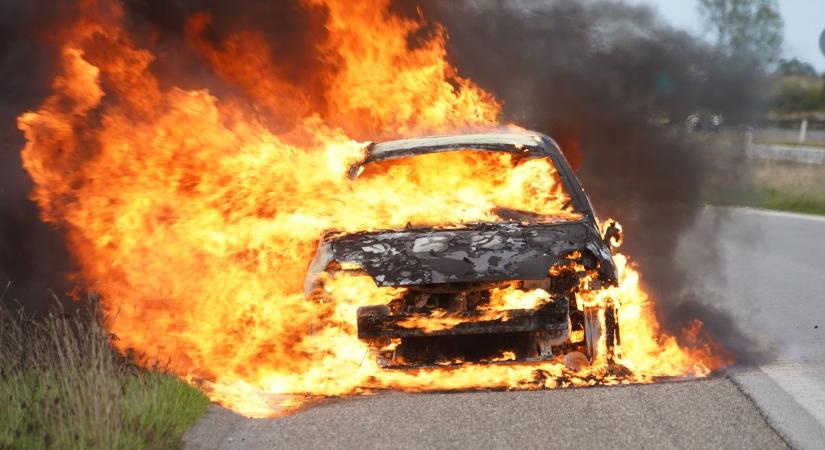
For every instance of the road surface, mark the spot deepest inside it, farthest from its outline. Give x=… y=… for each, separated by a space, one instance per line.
x=773 y=278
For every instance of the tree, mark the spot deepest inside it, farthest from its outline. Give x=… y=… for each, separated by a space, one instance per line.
x=792 y=96
x=794 y=66
x=746 y=28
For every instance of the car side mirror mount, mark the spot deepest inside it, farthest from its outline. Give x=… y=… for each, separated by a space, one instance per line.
x=612 y=235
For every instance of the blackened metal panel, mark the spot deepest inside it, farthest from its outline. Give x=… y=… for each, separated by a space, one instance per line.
x=552 y=318
x=481 y=252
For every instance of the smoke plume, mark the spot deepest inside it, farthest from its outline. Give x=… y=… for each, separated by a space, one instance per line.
x=609 y=81
x=34 y=262
x=614 y=85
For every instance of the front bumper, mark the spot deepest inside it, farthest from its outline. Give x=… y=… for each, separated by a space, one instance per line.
x=378 y=322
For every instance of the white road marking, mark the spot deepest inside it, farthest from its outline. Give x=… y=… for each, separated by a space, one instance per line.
x=797 y=426
x=783 y=214
x=790 y=392
x=799 y=382
x=791 y=396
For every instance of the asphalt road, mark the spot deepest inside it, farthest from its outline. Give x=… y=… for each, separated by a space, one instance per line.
x=773 y=279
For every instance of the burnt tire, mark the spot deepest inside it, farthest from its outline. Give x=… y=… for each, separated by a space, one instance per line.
x=611 y=324
x=596 y=328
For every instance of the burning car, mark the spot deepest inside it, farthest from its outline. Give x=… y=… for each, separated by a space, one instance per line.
x=489 y=291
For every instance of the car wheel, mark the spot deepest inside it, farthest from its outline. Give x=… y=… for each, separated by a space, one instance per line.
x=601 y=331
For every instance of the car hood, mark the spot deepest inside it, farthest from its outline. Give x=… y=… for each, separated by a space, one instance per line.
x=472 y=253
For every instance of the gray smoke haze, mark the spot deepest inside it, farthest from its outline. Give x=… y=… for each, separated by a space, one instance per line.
x=613 y=84
x=601 y=77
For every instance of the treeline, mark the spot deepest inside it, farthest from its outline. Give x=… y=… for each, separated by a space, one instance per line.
x=798 y=88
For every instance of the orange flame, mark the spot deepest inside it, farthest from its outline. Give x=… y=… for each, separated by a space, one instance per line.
x=195 y=216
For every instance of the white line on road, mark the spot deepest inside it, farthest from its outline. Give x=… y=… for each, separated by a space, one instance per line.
x=790 y=391
x=804 y=383
x=783 y=214
x=792 y=399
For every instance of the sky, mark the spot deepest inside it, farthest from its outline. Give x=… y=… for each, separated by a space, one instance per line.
x=804 y=23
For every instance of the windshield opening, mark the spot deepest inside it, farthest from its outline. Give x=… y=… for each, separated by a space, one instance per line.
x=465 y=186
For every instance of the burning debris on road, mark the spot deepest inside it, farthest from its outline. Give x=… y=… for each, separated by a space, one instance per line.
x=193 y=204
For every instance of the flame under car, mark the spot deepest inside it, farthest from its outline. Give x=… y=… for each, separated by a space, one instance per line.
x=494 y=291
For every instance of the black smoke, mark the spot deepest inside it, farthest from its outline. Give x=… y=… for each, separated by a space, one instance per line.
x=614 y=84
x=610 y=81
x=35 y=265
x=34 y=262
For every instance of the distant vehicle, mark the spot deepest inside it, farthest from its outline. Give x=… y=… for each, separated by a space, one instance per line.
x=703 y=122
x=452 y=271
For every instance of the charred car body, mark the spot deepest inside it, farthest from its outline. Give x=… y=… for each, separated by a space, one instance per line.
x=450 y=272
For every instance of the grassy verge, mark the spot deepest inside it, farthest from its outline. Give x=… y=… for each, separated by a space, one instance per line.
x=791 y=142
x=783 y=186
x=63 y=386
x=769 y=198
x=786 y=201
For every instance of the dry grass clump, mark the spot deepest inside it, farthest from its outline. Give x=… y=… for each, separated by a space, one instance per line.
x=799 y=179
x=761 y=183
x=790 y=186
x=63 y=386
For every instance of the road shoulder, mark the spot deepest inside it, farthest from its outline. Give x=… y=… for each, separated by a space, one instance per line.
x=705 y=413
x=791 y=400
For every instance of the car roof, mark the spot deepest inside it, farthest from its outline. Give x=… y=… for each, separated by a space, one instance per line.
x=506 y=141
x=527 y=143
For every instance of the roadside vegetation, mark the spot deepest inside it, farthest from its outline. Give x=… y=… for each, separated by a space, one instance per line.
x=778 y=200
x=784 y=201
x=789 y=186
x=63 y=386
x=797 y=88
x=777 y=185
x=795 y=93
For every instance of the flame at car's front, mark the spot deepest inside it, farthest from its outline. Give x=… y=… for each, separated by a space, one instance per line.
x=195 y=215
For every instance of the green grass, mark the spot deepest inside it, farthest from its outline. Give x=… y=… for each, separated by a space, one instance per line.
x=63 y=386
x=785 y=201
x=791 y=142
x=770 y=198
x=777 y=185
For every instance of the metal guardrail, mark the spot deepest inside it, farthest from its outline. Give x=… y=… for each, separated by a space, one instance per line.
x=794 y=153
x=789 y=135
